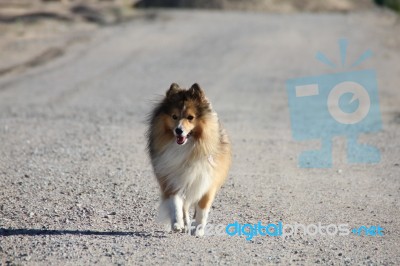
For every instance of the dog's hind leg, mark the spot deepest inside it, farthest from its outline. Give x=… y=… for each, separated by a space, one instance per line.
x=186 y=217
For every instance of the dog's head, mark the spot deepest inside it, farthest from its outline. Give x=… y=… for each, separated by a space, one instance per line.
x=186 y=112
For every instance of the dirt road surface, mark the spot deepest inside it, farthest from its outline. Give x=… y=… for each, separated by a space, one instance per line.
x=76 y=185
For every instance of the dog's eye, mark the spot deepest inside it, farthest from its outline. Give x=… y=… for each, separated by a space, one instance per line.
x=174 y=117
x=190 y=117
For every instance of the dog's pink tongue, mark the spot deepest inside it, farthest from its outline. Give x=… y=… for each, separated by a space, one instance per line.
x=180 y=140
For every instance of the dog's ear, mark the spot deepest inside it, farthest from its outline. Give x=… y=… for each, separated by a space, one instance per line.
x=173 y=89
x=195 y=92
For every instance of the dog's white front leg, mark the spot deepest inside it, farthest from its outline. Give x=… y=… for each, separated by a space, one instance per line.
x=177 y=213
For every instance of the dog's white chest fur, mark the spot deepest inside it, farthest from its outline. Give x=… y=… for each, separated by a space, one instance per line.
x=190 y=177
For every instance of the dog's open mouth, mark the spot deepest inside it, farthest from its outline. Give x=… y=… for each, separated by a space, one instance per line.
x=182 y=139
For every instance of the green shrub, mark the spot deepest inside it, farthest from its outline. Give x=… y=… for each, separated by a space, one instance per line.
x=393 y=4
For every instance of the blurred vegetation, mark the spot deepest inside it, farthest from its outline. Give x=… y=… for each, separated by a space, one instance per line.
x=280 y=6
x=393 y=4
x=274 y=5
x=104 y=12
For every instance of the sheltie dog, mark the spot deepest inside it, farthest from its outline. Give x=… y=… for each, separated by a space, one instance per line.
x=190 y=154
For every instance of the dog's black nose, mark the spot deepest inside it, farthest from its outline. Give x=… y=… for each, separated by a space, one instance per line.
x=178 y=131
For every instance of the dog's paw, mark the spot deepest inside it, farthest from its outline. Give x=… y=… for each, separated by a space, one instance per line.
x=199 y=232
x=178 y=227
x=186 y=229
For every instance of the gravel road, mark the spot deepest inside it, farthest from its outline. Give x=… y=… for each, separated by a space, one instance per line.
x=76 y=184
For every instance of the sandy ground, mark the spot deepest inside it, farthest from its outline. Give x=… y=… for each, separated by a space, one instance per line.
x=76 y=185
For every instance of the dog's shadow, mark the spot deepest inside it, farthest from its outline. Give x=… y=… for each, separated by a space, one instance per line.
x=40 y=232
